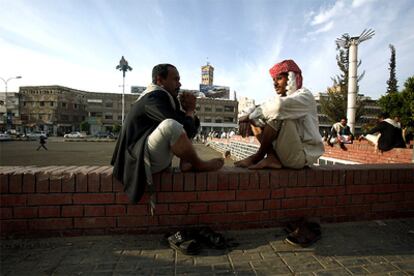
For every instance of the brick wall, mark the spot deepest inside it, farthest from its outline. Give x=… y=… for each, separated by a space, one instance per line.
x=87 y=200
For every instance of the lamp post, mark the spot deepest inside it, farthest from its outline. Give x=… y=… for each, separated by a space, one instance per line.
x=8 y=118
x=123 y=66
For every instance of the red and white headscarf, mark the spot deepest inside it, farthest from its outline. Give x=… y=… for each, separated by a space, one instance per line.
x=294 y=74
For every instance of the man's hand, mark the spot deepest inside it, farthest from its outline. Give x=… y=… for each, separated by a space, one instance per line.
x=188 y=102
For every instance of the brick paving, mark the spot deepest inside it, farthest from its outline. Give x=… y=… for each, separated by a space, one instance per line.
x=358 y=248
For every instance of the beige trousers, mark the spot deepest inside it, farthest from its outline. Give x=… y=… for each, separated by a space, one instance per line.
x=288 y=145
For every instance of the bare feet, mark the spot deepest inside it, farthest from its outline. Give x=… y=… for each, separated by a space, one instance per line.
x=270 y=162
x=204 y=166
x=246 y=162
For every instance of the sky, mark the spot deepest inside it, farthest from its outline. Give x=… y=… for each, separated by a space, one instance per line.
x=78 y=43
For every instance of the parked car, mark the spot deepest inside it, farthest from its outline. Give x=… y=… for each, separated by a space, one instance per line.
x=5 y=137
x=74 y=134
x=34 y=135
x=103 y=134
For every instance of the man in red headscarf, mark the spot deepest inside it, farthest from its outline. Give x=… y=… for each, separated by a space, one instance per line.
x=287 y=125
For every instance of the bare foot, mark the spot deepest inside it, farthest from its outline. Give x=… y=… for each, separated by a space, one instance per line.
x=270 y=162
x=246 y=162
x=210 y=165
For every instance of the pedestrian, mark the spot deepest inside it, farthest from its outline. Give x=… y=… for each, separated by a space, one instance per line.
x=155 y=130
x=42 y=142
x=286 y=126
x=386 y=135
x=340 y=134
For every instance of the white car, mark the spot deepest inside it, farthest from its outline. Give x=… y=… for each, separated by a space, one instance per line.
x=35 y=135
x=74 y=134
x=5 y=137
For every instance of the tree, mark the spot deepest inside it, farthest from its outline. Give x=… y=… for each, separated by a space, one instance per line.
x=392 y=81
x=335 y=104
x=84 y=126
x=116 y=128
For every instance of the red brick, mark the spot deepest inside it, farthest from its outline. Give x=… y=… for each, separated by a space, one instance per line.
x=176 y=197
x=161 y=209
x=156 y=181
x=42 y=182
x=216 y=196
x=178 y=220
x=233 y=181
x=300 y=192
x=349 y=178
x=178 y=182
x=15 y=183
x=166 y=182
x=370 y=198
x=94 y=211
x=178 y=208
x=293 y=178
x=93 y=182
x=301 y=178
x=330 y=191
x=201 y=181
x=212 y=181
x=13 y=200
x=223 y=181
x=121 y=198
x=253 y=194
x=68 y=183
x=72 y=211
x=217 y=207
x=294 y=203
x=49 y=212
x=274 y=180
x=51 y=224
x=6 y=213
x=314 y=202
x=134 y=222
x=314 y=178
x=13 y=227
x=115 y=210
x=253 y=181
x=359 y=189
x=49 y=199
x=327 y=178
x=384 y=197
x=95 y=222
x=278 y=193
x=81 y=182
x=343 y=200
x=244 y=179
x=189 y=181
x=283 y=178
x=101 y=198
x=272 y=204
x=329 y=201
x=106 y=183
x=117 y=185
x=4 y=183
x=236 y=206
x=140 y=209
x=254 y=205
x=197 y=208
x=55 y=184
x=29 y=182
x=406 y=187
x=264 y=180
x=385 y=188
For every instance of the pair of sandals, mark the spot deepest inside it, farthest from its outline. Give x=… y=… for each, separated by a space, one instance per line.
x=303 y=233
x=190 y=241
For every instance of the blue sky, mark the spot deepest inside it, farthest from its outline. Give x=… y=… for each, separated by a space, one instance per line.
x=78 y=43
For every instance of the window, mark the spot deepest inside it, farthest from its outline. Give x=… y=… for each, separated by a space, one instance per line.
x=51 y=103
x=63 y=104
x=207 y=109
x=198 y=107
x=75 y=106
x=108 y=116
x=228 y=119
x=207 y=120
x=109 y=104
x=120 y=117
x=218 y=120
x=219 y=109
x=42 y=103
x=228 y=108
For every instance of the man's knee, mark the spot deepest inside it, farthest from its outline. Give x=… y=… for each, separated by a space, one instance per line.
x=170 y=129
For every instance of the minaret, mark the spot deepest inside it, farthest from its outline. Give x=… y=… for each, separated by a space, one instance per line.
x=207 y=73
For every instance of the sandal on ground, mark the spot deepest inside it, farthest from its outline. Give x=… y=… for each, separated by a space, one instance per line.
x=305 y=235
x=212 y=239
x=186 y=245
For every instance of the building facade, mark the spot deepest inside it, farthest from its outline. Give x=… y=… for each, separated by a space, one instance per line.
x=10 y=111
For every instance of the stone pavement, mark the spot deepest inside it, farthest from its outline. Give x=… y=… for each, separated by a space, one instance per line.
x=374 y=247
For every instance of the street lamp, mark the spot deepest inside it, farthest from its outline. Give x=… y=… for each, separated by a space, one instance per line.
x=123 y=66
x=8 y=119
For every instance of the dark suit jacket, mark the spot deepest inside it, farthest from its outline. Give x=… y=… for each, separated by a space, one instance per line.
x=145 y=115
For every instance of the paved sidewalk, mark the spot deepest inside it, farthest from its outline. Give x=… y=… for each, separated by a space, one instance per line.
x=378 y=247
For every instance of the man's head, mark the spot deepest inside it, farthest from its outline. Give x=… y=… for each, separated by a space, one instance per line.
x=343 y=121
x=167 y=76
x=287 y=77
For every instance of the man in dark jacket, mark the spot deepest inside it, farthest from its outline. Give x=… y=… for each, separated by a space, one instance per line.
x=155 y=130
x=341 y=134
x=387 y=134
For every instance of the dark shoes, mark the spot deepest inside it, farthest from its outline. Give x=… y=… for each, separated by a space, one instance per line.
x=303 y=233
x=343 y=146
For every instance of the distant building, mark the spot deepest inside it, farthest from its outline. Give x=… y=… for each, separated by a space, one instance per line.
x=207 y=74
x=217 y=114
x=10 y=111
x=137 y=89
x=207 y=87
